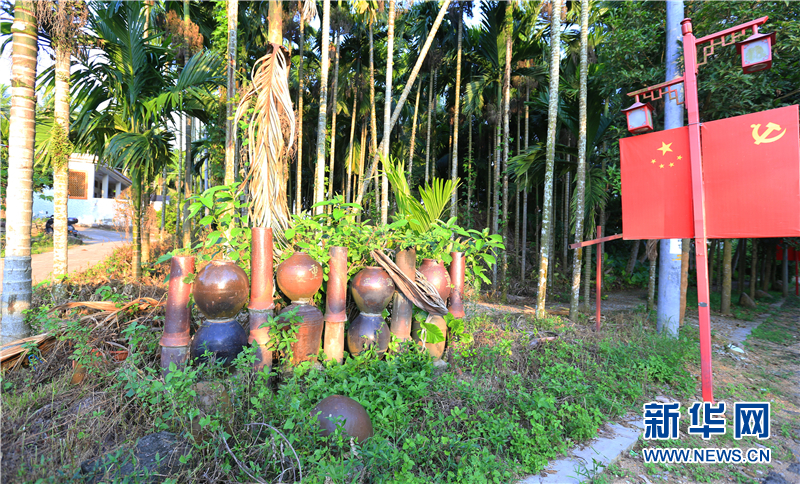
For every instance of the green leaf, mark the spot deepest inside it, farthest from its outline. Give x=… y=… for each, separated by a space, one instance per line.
x=432 y=334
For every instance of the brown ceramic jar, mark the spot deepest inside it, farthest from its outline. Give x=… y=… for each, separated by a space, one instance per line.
x=372 y=290
x=437 y=275
x=299 y=277
x=346 y=411
x=221 y=289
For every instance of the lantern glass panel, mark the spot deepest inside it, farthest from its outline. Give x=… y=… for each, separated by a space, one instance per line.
x=756 y=52
x=637 y=118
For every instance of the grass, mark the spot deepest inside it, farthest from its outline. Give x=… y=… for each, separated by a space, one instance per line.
x=499 y=411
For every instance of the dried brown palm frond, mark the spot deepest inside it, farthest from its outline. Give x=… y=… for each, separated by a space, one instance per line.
x=309 y=11
x=270 y=136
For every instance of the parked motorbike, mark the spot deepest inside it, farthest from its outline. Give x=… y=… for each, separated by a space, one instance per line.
x=71 y=230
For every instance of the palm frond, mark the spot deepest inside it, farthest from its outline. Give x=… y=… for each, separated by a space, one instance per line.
x=271 y=133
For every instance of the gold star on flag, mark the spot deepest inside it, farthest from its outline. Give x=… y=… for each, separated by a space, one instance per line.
x=665 y=147
x=672 y=164
x=661 y=166
x=653 y=161
x=680 y=157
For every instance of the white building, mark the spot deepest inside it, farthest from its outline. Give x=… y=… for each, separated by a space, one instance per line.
x=92 y=192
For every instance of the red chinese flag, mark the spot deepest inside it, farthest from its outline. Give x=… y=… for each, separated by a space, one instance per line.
x=751 y=174
x=656 y=185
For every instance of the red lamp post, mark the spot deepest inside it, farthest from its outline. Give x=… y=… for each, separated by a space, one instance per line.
x=756 y=55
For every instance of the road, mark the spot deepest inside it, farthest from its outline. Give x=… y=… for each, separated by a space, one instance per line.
x=97 y=245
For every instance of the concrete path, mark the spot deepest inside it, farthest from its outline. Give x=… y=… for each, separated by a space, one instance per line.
x=586 y=461
x=97 y=245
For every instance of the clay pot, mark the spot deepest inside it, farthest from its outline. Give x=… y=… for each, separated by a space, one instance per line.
x=372 y=290
x=368 y=330
x=402 y=309
x=225 y=339
x=309 y=335
x=221 y=290
x=437 y=275
x=348 y=412
x=435 y=350
x=178 y=313
x=261 y=285
x=299 y=277
x=457 y=270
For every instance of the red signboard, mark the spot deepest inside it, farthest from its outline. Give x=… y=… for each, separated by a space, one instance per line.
x=751 y=173
x=656 y=185
x=751 y=176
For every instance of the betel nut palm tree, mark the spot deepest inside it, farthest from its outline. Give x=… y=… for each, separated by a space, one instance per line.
x=17 y=266
x=129 y=100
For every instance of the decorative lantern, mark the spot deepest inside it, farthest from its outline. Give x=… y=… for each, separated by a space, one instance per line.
x=640 y=117
x=756 y=51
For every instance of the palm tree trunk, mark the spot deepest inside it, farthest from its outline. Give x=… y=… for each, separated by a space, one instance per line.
x=525 y=200
x=407 y=89
x=430 y=118
x=412 y=145
x=298 y=203
x=555 y=57
x=470 y=177
x=754 y=269
x=17 y=266
x=517 y=194
x=350 y=150
x=230 y=105
x=145 y=221
x=61 y=160
x=524 y=245
x=334 y=101
x=489 y=180
x=179 y=194
x=685 y=247
x=362 y=154
x=565 y=220
x=587 y=280
x=187 y=184
x=580 y=188
x=136 y=201
x=456 y=121
x=387 y=113
x=507 y=130
x=163 y=202
x=727 y=255
x=373 y=119
x=319 y=192
x=652 y=254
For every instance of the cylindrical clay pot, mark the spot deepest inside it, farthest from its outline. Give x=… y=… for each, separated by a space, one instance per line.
x=335 y=307
x=436 y=349
x=261 y=294
x=457 y=270
x=309 y=335
x=175 y=340
x=402 y=310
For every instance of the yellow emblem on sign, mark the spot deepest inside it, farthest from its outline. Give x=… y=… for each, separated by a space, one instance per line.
x=762 y=138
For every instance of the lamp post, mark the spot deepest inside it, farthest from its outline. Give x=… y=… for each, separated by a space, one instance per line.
x=756 y=55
